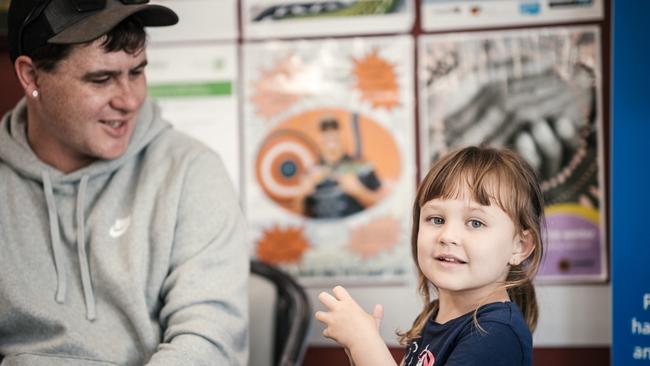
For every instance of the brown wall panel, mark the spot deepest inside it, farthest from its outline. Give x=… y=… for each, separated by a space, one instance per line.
x=10 y=90
x=327 y=356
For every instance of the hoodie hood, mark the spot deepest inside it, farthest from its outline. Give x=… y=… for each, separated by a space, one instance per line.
x=16 y=152
x=18 y=155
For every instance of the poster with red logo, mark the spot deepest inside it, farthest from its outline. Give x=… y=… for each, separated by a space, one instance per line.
x=438 y=15
x=537 y=92
x=329 y=156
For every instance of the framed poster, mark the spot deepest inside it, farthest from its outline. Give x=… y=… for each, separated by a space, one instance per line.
x=329 y=157
x=198 y=20
x=439 y=15
x=298 y=18
x=196 y=85
x=537 y=92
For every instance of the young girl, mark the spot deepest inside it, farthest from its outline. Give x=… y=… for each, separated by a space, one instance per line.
x=476 y=241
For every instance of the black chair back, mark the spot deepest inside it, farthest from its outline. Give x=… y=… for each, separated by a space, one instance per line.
x=292 y=315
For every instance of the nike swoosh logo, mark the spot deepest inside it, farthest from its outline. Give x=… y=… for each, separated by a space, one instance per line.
x=119 y=227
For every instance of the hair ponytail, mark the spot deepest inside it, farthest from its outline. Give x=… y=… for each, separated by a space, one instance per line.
x=430 y=308
x=418 y=325
x=522 y=292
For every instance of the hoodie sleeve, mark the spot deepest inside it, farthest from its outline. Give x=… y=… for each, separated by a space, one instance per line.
x=205 y=295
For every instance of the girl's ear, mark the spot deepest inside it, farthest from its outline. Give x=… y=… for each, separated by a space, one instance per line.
x=524 y=246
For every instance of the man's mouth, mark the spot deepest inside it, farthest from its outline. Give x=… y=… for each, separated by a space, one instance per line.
x=113 y=123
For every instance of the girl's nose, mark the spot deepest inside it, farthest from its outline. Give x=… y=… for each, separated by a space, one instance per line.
x=449 y=235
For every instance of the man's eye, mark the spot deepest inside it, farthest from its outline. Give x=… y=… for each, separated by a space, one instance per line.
x=100 y=80
x=475 y=224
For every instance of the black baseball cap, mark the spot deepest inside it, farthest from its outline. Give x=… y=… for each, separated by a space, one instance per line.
x=35 y=23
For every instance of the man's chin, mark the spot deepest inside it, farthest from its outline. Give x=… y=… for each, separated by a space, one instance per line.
x=113 y=153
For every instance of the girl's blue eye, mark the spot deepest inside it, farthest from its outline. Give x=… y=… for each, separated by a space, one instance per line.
x=475 y=224
x=437 y=220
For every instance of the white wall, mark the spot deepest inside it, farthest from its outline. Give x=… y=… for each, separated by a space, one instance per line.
x=570 y=316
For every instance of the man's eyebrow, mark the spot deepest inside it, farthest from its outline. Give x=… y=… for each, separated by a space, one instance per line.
x=142 y=64
x=110 y=73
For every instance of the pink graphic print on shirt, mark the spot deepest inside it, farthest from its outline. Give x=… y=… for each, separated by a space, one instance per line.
x=425 y=358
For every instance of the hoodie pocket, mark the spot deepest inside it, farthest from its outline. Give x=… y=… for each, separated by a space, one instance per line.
x=32 y=359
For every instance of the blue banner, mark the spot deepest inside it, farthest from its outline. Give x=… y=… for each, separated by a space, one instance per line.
x=630 y=243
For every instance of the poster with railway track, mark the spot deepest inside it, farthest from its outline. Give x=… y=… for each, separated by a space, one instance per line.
x=304 y=18
x=537 y=92
x=441 y=15
x=329 y=157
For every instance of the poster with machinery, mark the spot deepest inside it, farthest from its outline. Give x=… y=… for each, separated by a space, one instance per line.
x=537 y=92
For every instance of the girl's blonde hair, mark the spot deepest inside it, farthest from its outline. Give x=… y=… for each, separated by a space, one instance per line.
x=493 y=176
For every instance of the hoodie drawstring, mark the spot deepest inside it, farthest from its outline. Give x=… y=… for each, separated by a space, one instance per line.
x=89 y=295
x=57 y=248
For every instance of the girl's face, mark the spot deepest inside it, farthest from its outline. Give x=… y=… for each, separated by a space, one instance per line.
x=465 y=248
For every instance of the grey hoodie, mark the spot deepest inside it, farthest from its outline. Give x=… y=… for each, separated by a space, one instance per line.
x=132 y=261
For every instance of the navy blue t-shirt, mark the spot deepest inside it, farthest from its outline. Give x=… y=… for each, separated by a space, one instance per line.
x=506 y=341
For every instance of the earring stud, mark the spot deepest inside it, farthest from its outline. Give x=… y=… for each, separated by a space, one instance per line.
x=35 y=93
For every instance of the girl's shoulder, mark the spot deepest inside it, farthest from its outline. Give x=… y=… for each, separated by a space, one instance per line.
x=502 y=332
x=504 y=312
x=501 y=337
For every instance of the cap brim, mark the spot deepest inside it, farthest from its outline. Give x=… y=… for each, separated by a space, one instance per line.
x=97 y=25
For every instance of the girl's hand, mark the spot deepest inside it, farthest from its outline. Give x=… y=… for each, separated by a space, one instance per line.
x=345 y=321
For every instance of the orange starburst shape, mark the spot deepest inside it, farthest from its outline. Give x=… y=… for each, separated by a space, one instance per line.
x=279 y=88
x=375 y=237
x=279 y=245
x=377 y=81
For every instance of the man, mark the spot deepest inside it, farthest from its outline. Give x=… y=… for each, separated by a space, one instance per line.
x=122 y=242
x=340 y=185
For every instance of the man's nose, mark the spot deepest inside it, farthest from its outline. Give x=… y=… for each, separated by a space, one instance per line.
x=128 y=97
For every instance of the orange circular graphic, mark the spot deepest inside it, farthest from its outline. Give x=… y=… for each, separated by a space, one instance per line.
x=327 y=163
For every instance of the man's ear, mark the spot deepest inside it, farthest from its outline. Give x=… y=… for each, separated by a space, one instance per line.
x=524 y=246
x=27 y=74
